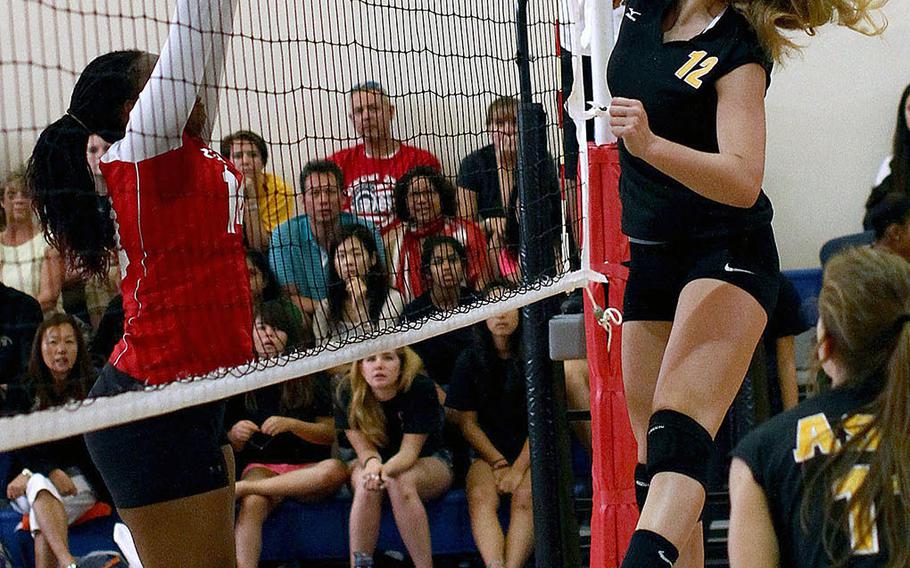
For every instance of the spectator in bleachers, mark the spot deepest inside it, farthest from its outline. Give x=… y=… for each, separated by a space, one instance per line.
x=890 y=220
x=27 y=262
x=425 y=206
x=488 y=394
x=392 y=423
x=20 y=316
x=94 y=150
x=778 y=344
x=59 y=484
x=264 y=287
x=263 y=284
x=299 y=247
x=894 y=173
x=487 y=191
x=360 y=299
x=442 y=265
x=283 y=435
x=372 y=167
x=268 y=201
x=109 y=332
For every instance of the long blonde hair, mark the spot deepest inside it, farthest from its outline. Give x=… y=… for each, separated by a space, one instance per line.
x=771 y=19
x=365 y=413
x=864 y=305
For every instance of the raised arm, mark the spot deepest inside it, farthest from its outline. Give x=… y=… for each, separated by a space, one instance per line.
x=192 y=57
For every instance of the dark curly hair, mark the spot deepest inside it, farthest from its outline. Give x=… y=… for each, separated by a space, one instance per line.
x=440 y=184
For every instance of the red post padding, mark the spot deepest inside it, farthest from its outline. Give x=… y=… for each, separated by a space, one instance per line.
x=614 y=513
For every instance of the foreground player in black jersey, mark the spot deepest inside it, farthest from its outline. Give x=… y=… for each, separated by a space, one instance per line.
x=826 y=484
x=690 y=78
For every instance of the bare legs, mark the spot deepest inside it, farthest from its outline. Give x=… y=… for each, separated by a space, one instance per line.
x=578 y=393
x=427 y=479
x=52 y=540
x=695 y=368
x=194 y=531
x=261 y=490
x=498 y=550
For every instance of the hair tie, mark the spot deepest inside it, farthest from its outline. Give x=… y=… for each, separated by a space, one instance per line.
x=79 y=122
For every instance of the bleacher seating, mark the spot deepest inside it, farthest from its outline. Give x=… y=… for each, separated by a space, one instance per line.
x=320 y=530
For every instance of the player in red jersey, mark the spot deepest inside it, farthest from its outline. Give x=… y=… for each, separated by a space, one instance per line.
x=177 y=209
x=372 y=167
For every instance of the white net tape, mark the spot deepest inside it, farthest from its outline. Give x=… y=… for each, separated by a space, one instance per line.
x=94 y=414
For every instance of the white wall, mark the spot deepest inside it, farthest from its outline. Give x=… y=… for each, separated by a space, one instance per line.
x=831 y=117
x=831 y=111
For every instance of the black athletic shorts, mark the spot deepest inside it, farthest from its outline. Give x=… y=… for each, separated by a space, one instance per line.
x=158 y=459
x=659 y=272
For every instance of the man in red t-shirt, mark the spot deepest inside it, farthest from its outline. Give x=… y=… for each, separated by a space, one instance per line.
x=372 y=167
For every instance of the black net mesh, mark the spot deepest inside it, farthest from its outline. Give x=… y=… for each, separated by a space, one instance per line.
x=378 y=142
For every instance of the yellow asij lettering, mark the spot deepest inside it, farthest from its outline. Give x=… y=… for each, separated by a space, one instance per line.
x=863 y=530
x=814 y=436
x=859 y=425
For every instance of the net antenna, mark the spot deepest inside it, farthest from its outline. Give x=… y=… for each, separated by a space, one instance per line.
x=591 y=28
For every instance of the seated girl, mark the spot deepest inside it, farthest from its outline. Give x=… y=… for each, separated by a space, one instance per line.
x=442 y=266
x=487 y=394
x=425 y=205
x=283 y=434
x=59 y=484
x=826 y=483
x=392 y=439
x=359 y=300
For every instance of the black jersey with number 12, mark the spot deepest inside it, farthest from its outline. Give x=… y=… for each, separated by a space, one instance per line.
x=676 y=83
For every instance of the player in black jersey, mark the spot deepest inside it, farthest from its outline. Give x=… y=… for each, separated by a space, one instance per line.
x=827 y=483
x=689 y=77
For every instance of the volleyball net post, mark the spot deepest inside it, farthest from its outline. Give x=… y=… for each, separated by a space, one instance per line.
x=605 y=250
x=556 y=533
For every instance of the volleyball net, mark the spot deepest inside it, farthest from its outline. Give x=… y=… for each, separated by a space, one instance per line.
x=398 y=255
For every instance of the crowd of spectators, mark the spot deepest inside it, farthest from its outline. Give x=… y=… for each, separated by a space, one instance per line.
x=376 y=236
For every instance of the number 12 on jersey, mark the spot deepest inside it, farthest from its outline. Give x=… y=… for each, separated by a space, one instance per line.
x=690 y=74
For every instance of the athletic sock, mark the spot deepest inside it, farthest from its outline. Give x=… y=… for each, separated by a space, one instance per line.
x=648 y=549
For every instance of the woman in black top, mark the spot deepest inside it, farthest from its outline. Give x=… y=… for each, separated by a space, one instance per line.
x=827 y=483
x=894 y=174
x=704 y=263
x=59 y=483
x=282 y=434
x=487 y=181
x=488 y=395
x=442 y=265
x=392 y=423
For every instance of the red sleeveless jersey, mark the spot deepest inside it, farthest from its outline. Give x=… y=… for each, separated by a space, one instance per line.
x=186 y=296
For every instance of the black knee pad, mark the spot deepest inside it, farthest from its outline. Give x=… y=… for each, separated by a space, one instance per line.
x=678 y=444
x=642 y=484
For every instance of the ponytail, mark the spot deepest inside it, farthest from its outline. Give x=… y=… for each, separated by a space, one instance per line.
x=865 y=308
x=75 y=219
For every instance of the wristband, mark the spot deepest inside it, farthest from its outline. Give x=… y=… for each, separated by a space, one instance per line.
x=366 y=461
